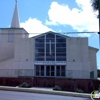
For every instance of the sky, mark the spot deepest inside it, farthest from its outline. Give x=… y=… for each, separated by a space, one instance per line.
x=63 y=16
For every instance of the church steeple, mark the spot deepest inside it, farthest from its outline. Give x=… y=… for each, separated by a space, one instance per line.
x=15 y=20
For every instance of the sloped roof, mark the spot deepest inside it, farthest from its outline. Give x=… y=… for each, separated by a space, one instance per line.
x=38 y=35
x=93 y=48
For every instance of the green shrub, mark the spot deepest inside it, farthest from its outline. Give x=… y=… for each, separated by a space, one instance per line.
x=79 y=90
x=58 y=88
x=25 y=85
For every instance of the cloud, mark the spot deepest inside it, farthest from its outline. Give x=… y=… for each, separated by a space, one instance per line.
x=34 y=26
x=81 y=19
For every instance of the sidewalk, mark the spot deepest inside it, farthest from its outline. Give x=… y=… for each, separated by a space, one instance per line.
x=40 y=88
x=44 y=91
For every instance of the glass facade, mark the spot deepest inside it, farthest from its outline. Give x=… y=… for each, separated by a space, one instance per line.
x=50 y=70
x=39 y=49
x=50 y=47
x=60 y=48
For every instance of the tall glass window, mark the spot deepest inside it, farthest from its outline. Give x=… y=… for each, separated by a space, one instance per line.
x=50 y=47
x=60 y=48
x=39 y=48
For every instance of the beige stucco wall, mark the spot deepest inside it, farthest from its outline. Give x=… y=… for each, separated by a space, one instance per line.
x=77 y=49
x=21 y=33
x=77 y=58
x=24 y=50
x=93 y=61
x=9 y=68
x=7 y=48
x=6 y=68
x=24 y=56
x=24 y=68
x=7 y=64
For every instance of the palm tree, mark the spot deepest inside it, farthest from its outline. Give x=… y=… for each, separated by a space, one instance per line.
x=95 y=4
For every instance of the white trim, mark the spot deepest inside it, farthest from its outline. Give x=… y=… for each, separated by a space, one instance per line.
x=50 y=62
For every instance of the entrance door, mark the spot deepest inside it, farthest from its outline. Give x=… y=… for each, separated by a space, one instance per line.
x=47 y=70
x=39 y=70
x=50 y=70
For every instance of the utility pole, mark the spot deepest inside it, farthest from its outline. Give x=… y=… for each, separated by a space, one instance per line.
x=99 y=25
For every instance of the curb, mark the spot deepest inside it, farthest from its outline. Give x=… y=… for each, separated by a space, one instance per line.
x=30 y=90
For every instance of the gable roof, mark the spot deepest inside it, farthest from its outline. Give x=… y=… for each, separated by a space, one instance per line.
x=50 y=32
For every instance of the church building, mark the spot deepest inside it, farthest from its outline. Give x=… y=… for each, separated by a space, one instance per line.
x=48 y=54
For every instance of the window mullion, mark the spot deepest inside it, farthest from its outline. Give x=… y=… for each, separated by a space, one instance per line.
x=44 y=70
x=55 y=47
x=60 y=71
x=45 y=49
x=50 y=70
x=40 y=70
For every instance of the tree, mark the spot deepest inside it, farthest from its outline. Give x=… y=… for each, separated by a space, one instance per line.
x=95 y=4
